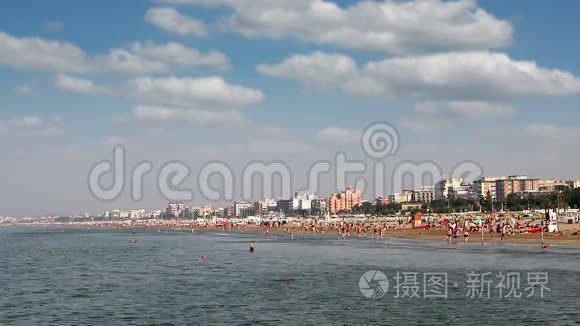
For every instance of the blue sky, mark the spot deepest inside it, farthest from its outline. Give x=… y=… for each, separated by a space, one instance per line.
x=495 y=82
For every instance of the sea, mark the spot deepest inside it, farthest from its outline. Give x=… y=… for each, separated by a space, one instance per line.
x=65 y=276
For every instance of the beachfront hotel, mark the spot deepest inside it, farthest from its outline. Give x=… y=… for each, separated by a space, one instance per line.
x=344 y=201
x=486 y=186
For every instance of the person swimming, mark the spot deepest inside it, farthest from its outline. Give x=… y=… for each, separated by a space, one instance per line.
x=252 y=246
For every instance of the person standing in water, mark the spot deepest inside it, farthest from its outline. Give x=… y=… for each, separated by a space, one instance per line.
x=252 y=246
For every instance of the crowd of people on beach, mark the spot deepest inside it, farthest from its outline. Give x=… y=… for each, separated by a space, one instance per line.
x=454 y=227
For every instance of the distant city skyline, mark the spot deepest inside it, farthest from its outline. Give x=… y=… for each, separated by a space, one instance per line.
x=494 y=188
x=293 y=81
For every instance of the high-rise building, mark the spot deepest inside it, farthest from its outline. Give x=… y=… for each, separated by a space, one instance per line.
x=319 y=206
x=464 y=191
x=424 y=195
x=288 y=206
x=515 y=184
x=239 y=205
x=446 y=187
x=486 y=187
x=305 y=201
x=174 y=209
x=246 y=212
x=300 y=202
x=344 y=201
x=203 y=211
x=263 y=207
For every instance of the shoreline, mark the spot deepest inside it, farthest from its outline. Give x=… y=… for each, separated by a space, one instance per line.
x=403 y=233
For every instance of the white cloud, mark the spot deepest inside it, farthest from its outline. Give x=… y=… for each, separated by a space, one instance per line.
x=383 y=26
x=125 y=62
x=37 y=53
x=435 y=116
x=33 y=125
x=470 y=75
x=53 y=26
x=338 y=135
x=457 y=76
x=555 y=132
x=198 y=101
x=208 y=91
x=41 y=54
x=213 y=92
x=317 y=69
x=473 y=110
x=171 y=20
x=78 y=85
x=180 y=55
x=195 y=117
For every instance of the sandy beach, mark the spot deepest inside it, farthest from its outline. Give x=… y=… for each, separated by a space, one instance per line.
x=569 y=233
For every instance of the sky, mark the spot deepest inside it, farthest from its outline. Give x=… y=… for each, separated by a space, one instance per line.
x=495 y=83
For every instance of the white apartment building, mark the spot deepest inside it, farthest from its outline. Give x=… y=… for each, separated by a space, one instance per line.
x=119 y=214
x=137 y=213
x=239 y=205
x=464 y=191
x=174 y=209
x=446 y=187
x=319 y=205
x=288 y=206
x=247 y=212
x=401 y=197
x=424 y=195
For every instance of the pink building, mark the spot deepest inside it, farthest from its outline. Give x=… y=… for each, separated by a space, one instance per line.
x=344 y=201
